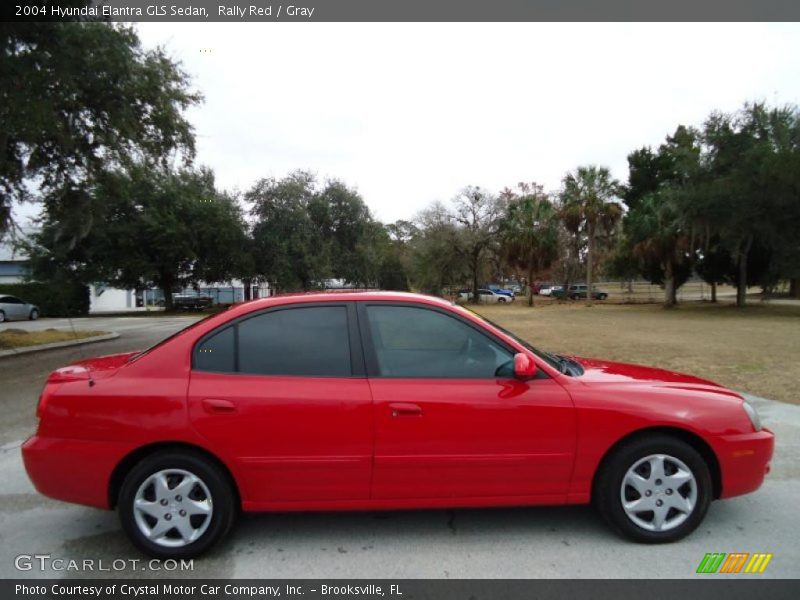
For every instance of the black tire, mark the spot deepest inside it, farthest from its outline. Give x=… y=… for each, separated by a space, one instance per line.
x=607 y=491
x=503 y=300
x=223 y=500
x=34 y=314
x=603 y=296
x=2 y=317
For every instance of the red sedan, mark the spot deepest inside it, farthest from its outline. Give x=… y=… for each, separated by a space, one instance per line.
x=355 y=401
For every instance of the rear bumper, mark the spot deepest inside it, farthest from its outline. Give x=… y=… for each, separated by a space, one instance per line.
x=76 y=471
x=744 y=461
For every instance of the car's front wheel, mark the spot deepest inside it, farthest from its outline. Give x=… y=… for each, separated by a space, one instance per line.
x=176 y=504
x=654 y=489
x=34 y=314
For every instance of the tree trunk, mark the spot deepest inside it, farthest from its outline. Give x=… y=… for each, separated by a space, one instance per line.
x=713 y=291
x=669 y=285
x=530 y=287
x=475 y=297
x=589 y=265
x=166 y=288
x=248 y=289
x=741 y=287
x=794 y=287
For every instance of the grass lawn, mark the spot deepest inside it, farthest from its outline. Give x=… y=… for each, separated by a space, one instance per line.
x=755 y=350
x=18 y=338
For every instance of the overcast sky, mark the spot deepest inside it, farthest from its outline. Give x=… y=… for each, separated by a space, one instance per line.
x=410 y=113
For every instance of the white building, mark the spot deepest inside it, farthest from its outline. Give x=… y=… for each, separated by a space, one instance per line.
x=106 y=299
x=13 y=261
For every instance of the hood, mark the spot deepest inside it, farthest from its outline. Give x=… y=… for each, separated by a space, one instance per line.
x=605 y=371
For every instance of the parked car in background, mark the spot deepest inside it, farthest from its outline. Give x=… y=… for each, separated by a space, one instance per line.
x=576 y=292
x=191 y=301
x=496 y=288
x=383 y=401
x=550 y=290
x=13 y=308
x=486 y=296
x=538 y=286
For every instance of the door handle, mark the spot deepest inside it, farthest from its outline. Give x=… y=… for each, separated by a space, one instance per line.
x=405 y=409
x=215 y=406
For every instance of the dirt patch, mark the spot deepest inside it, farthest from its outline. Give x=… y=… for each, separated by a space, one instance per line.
x=19 y=338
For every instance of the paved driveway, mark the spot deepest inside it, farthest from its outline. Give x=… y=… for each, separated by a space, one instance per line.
x=502 y=543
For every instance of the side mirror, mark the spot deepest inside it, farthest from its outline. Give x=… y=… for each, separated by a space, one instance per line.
x=524 y=367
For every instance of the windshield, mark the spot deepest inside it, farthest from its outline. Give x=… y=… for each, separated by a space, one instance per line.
x=550 y=359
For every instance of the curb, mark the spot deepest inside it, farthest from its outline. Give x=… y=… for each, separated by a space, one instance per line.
x=54 y=345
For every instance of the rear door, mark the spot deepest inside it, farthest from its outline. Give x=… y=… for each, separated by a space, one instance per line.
x=284 y=395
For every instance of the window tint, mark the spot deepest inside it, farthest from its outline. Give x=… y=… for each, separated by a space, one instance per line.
x=216 y=353
x=11 y=300
x=311 y=341
x=418 y=342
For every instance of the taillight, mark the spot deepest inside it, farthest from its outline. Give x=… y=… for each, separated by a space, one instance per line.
x=71 y=373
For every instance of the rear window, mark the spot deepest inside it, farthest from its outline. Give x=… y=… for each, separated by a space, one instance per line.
x=309 y=341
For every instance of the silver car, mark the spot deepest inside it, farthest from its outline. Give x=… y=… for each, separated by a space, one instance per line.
x=12 y=308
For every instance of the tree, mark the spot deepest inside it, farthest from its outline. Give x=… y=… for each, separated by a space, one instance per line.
x=661 y=192
x=477 y=215
x=752 y=192
x=78 y=100
x=530 y=233
x=436 y=261
x=160 y=228
x=286 y=242
x=305 y=234
x=590 y=210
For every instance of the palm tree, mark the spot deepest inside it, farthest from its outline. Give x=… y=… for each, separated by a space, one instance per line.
x=530 y=234
x=590 y=210
x=658 y=235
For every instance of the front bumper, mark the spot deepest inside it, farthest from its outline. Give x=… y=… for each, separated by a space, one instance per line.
x=76 y=471
x=743 y=460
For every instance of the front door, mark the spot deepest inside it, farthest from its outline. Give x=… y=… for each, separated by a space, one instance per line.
x=284 y=393
x=451 y=421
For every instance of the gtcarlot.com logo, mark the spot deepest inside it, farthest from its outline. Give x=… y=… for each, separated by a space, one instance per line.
x=735 y=562
x=45 y=562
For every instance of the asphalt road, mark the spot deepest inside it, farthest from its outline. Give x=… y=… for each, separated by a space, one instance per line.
x=564 y=542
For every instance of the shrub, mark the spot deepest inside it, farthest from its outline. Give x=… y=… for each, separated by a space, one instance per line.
x=53 y=299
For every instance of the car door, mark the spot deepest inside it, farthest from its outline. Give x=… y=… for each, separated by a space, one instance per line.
x=451 y=421
x=283 y=393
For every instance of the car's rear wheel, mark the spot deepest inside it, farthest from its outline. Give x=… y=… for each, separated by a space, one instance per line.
x=34 y=314
x=654 y=489
x=176 y=504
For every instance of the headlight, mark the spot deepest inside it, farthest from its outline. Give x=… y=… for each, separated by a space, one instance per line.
x=753 y=414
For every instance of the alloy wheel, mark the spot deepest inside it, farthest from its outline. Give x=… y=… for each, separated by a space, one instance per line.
x=173 y=508
x=658 y=492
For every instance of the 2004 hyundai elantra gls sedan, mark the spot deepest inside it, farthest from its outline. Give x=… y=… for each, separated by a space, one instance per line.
x=380 y=400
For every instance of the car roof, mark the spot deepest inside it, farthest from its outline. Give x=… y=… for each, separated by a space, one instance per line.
x=344 y=296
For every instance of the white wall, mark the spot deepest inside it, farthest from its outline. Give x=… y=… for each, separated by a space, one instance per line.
x=111 y=299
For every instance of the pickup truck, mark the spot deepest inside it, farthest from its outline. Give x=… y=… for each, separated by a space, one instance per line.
x=191 y=301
